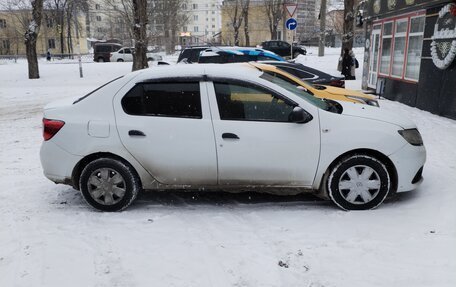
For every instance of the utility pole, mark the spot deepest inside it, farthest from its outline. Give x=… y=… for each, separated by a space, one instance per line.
x=321 y=42
x=78 y=45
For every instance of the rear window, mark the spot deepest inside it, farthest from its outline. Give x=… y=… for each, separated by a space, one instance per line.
x=82 y=98
x=181 y=100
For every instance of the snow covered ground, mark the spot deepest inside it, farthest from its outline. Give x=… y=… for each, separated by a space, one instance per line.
x=50 y=237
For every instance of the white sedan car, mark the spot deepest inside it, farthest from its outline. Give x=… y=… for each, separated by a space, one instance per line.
x=226 y=127
x=126 y=55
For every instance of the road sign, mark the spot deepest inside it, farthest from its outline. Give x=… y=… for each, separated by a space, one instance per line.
x=291 y=9
x=291 y=24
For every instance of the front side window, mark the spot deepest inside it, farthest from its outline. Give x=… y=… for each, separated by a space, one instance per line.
x=244 y=102
x=171 y=99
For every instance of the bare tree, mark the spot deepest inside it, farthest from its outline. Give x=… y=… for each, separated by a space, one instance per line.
x=245 y=13
x=169 y=14
x=235 y=12
x=31 y=36
x=349 y=33
x=274 y=13
x=139 y=33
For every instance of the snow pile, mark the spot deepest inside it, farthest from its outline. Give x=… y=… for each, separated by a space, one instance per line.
x=50 y=237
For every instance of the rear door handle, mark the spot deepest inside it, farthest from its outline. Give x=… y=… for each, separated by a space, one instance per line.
x=136 y=133
x=229 y=136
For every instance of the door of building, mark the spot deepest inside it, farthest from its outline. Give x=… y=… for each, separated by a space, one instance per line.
x=374 y=53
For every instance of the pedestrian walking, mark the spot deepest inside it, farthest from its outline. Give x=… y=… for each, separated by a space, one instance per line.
x=347 y=64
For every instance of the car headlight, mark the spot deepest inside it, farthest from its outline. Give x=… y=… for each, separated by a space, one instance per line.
x=412 y=136
x=370 y=102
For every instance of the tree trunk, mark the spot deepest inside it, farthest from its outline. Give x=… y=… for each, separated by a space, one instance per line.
x=348 y=36
x=62 y=43
x=236 y=36
x=31 y=36
x=245 y=11
x=139 y=32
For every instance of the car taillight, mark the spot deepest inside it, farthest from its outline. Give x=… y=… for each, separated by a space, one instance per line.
x=51 y=127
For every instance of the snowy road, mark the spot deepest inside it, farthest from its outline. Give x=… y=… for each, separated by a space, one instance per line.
x=50 y=237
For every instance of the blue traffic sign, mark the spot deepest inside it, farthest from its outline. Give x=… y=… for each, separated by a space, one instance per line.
x=291 y=24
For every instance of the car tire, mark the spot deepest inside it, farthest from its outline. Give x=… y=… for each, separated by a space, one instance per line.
x=120 y=60
x=150 y=59
x=359 y=182
x=100 y=60
x=109 y=185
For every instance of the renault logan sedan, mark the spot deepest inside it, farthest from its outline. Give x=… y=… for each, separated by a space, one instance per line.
x=226 y=127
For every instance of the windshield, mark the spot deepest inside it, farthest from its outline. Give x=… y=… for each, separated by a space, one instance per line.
x=298 y=92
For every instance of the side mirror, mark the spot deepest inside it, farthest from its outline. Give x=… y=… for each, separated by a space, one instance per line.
x=300 y=116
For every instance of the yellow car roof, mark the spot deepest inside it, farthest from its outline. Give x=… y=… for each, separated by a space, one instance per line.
x=329 y=92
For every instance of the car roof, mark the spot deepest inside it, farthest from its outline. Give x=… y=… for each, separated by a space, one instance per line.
x=230 y=70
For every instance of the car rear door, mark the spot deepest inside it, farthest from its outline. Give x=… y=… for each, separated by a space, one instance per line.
x=256 y=142
x=127 y=55
x=166 y=126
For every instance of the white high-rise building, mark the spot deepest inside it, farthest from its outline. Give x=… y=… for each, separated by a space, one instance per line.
x=204 y=22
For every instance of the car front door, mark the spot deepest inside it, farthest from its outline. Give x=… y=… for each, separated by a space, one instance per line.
x=167 y=127
x=256 y=142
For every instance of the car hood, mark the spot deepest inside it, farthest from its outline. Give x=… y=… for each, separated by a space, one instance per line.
x=375 y=113
x=345 y=92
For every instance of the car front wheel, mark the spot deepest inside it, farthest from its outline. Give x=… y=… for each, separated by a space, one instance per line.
x=120 y=60
x=359 y=182
x=108 y=184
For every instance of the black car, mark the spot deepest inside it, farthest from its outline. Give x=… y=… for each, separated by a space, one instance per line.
x=308 y=74
x=191 y=54
x=283 y=48
x=102 y=51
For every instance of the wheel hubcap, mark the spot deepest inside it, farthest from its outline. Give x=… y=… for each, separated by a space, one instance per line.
x=359 y=184
x=106 y=186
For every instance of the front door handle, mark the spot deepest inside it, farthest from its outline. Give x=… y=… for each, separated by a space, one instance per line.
x=229 y=136
x=136 y=133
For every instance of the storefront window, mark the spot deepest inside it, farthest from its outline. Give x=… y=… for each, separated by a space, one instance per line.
x=385 y=60
x=399 y=47
x=415 y=44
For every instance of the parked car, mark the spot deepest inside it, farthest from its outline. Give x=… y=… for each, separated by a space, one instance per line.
x=236 y=55
x=202 y=126
x=102 y=51
x=191 y=54
x=308 y=74
x=283 y=48
x=319 y=91
x=225 y=54
x=126 y=55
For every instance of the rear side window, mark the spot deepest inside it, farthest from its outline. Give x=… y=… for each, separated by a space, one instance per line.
x=179 y=100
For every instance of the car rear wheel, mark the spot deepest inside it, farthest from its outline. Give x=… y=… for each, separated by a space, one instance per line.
x=108 y=184
x=359 y=182
x=120 y=60
x=100 y=60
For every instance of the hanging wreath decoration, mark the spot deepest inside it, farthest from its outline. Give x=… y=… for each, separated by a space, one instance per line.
x=443 y=46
